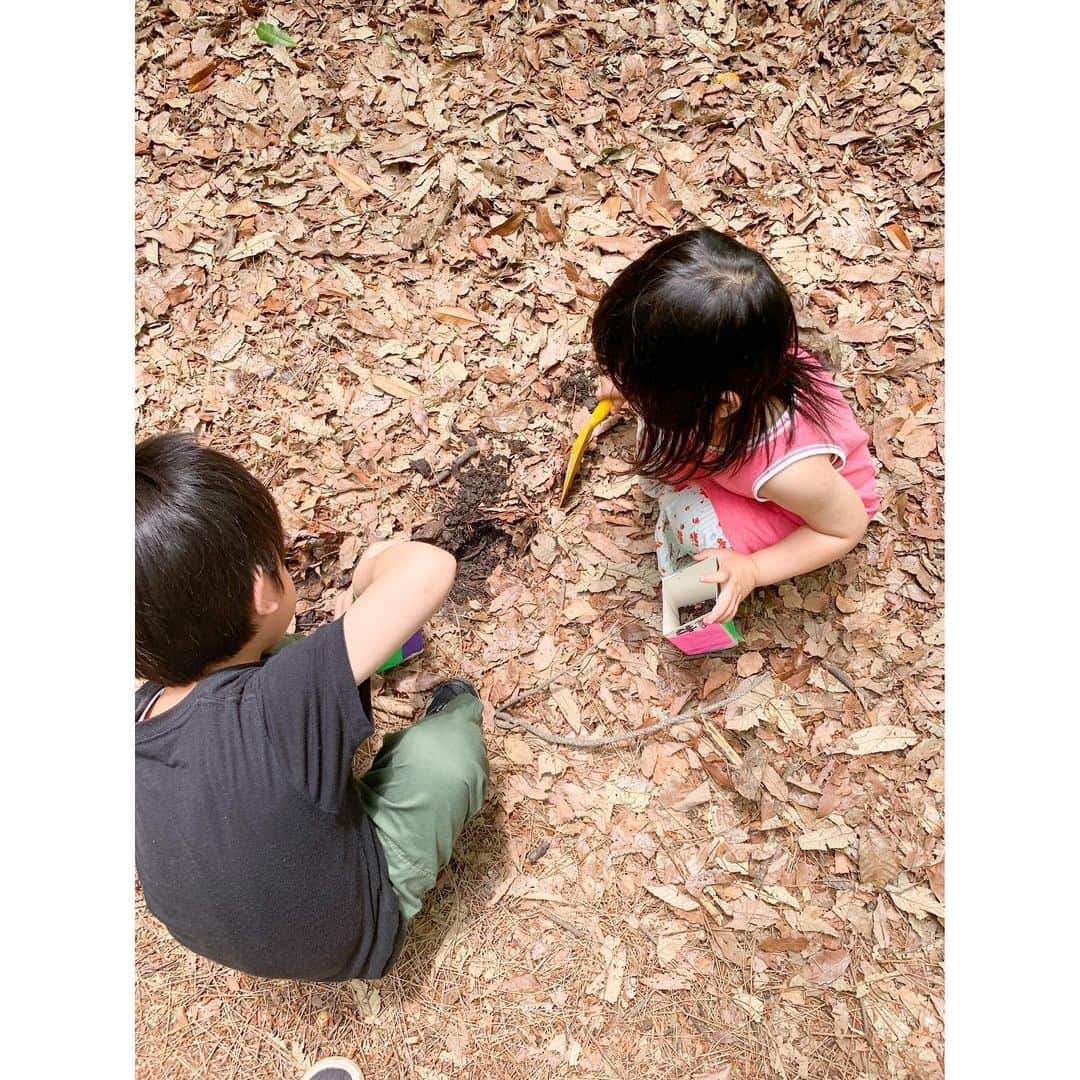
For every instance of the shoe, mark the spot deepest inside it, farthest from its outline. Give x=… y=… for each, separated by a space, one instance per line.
x=336 y=1068
x=446 y=692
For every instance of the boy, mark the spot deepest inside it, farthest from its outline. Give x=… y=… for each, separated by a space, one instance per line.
x=254 y=844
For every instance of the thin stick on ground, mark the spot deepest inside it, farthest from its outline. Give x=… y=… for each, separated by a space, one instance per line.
x=505 y=720
x=452 y=468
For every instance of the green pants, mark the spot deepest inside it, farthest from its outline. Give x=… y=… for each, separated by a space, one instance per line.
x=425 y=782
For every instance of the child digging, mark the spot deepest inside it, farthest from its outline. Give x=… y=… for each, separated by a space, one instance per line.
x=756 y=456
x=254 y=844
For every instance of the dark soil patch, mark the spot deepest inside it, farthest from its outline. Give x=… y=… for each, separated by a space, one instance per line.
x=579 y=388
x=695 y=611
x=312 y=564
x=477 y=542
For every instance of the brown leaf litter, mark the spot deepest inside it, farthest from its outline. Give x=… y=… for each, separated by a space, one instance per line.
x=366 y=266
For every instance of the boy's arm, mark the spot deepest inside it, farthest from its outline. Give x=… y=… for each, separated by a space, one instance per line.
x=400 y=586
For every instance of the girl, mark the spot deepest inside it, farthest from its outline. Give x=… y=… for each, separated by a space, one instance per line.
x=759 y=459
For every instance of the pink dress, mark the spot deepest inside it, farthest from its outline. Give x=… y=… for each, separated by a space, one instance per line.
x=726 y=509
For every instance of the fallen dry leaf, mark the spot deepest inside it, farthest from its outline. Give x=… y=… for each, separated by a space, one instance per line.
x=784 y=944
x=419 y=415
x=455 y=316
x=825 y=967
x=936 y=876
x=518 y=750
x=605 y=545
x=226 y=346
x=439 y=118
x=252 y=246
x=719 y=773
x=920 y=443
x=897 y=237
x=748 y=776
x=860 y=333
x=699 y=796
x=667 y=982
x=719 y=674
x=916 y=900
x=878 y=864
x=750 y=1004
x=200 y=78
x=394 y=387
x=317 y=429
x=879 y=739
x=354 y=182
x=671 y=895
x=843 y=138
x=580 y=611
x=830 y=836
x=509 y=226
x=749 y=663
x=546 y=226
x=615 y=954
x=523 y=983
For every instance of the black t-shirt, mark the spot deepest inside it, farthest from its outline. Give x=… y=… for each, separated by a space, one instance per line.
x=250 y=841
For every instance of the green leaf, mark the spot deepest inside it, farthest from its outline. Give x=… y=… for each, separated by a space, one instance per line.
x=274 y=35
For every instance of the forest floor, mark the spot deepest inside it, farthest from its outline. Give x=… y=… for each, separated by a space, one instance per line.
x=361 y=257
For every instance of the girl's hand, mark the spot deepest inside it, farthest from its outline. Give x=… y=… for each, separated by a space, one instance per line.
x=737 y=577
x=605 y=388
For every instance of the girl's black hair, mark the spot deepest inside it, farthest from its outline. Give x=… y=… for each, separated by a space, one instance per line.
x=203 y=526
x=696 y=318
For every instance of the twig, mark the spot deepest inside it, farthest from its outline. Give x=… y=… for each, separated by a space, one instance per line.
x=442 y=216
x=705 y=901
x=572 y=928
x=841 y=676
x=465 y=455
x=845 y=679
x=505 y=720
x=723 y=745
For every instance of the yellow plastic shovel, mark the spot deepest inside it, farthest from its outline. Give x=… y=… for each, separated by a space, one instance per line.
x=578 y=450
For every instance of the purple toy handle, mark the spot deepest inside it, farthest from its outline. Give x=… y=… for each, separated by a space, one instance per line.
x=414 y=645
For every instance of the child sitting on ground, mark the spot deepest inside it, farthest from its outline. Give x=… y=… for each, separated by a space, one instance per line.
x=760 y=462
x=254 y=844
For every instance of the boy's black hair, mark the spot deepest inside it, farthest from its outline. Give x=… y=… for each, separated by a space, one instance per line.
x=203 y=526
x=697 y=317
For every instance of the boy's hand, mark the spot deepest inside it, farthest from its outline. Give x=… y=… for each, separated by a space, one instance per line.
x=737 y=577
x=361 y=578
x=362 y=574
x=343 y=602
x=605 y=388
